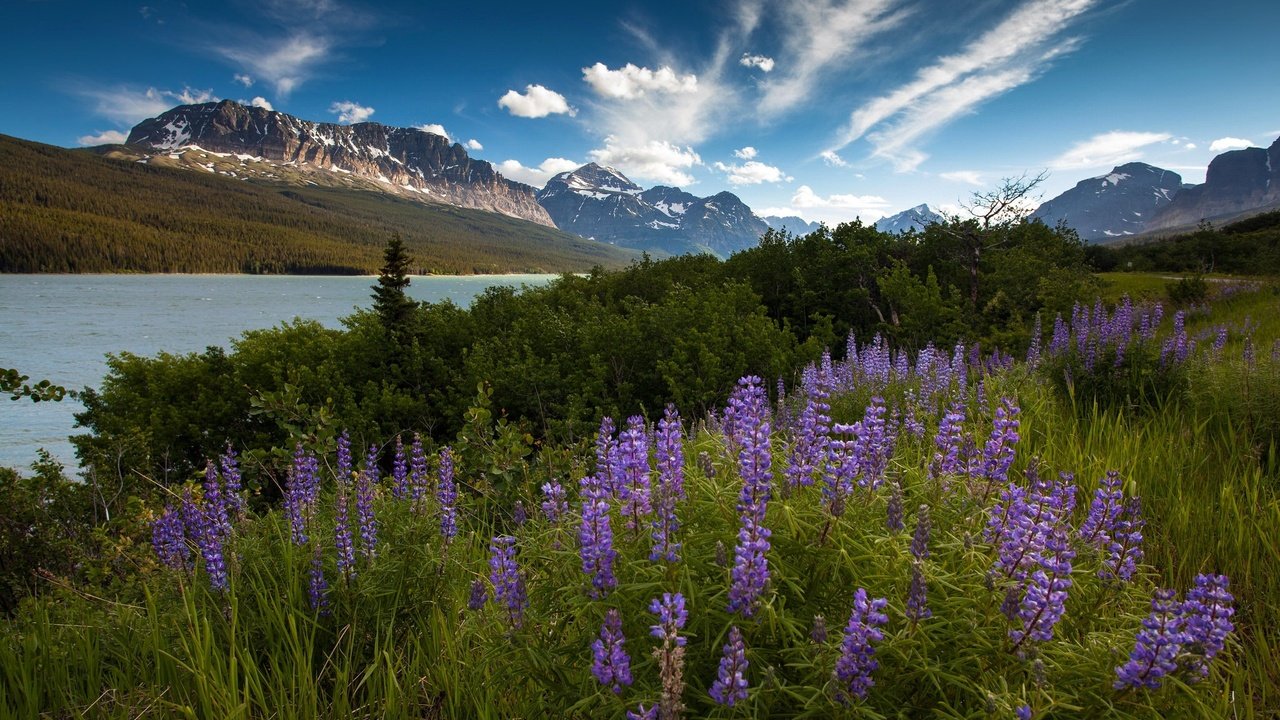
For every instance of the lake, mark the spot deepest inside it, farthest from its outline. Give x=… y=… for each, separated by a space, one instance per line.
x=60 y=328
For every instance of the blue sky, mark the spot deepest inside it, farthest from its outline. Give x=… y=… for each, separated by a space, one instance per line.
x=829 y=109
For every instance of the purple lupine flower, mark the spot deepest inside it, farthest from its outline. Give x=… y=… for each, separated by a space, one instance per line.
x=1108 y=503
x=417 y=471
x=318 y=588
x=169 y=540
x=911 y=422
x=917 y=596
x=634 y=489
x=231 y=481
x=554 y=506
x=1156 y=647
x=344 y=456
x=301 y=485
x=365 y=519
x=1022 y=712
x=874 y=445
x=519 y=515
x=998 y=453
x=670 y=459
x=893 y=514
x=343 y=542
x=730 y=686
x=1124 y=548
x=946 y=461
x=400 y=472
x=447 y=495
x=215 y=501
x=1033 y=350
x=1061 y=337
x=920 y=539
x=202 y=528
x=750 y=572
x=1177 y=346
x=596 y=537
x=751 y=436
x=479 y=595
x=643 y=713
x=853 y=669
x=604 y=454
x=671 y=618
x=508 y=584
x=1022 y=522
x=1248 y=352
x=1207 y=613
x=819 y=632
x=611 y=664
x=1220 y=339
x=1044 y=601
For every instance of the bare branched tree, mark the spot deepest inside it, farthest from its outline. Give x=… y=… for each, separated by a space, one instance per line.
x=1006 y=204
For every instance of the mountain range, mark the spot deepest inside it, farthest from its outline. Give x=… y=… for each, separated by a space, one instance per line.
x=600 y=203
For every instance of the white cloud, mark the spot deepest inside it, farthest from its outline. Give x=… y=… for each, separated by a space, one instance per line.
x=106 y=137
x=745 y=153
x=285 y=63
x=1106 y=150
x=759 y=61
x=1229 y=143
x=656 y=160
x=536 y=102
x=1190 y=146
x=831 y=158
x=819 y=35
x=831 y=209
x=435 y=129
x=349 y=112
x=630 y=82
x=474 y=144
x=536 y=176
x=969 y=177
x=751 y=172
x=128 y=106
x=261 y=102
x=1013 y=52
x=244 y=80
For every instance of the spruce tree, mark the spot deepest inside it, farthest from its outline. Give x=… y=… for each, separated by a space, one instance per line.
x=390 y=302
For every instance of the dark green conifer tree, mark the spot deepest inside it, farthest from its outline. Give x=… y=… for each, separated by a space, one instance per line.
x=392 y=305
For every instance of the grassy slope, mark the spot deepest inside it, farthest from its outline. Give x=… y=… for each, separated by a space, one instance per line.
x=70 y=211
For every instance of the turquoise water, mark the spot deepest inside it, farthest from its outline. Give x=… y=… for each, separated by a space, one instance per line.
x=61 y=327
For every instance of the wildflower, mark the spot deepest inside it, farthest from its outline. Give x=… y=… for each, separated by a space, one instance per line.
x=813 y=431
x=318 y=589
x=596 y=537
x=1044 y=601
x=447 y=495
x=479 y=595
x=1124 y=549
x=611 y=664
x=301 y=485
x=1156 y=647
x=730 y=686
x=365 y=518
x=670 y=458
x=554 y=505
x=750 y=571
x=671 y=618
x=604 y=453
x=946 y=461
x=631 y=472
x=417 y=470
x=1207 y=612
x=231 y=482
x=508 y=585
x=917 y=598
x=343 y=542
x=519 y=515
x=819 y=632
x=751 y=436
x=169 y=541
x=920 y=539
x=856 y=663
x=643 y=713
x=893 y=519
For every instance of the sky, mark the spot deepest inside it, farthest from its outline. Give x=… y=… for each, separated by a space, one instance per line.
x=825 y=109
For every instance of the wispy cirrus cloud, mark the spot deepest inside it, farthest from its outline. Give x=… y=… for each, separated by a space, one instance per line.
x=285 y=63
x=1106 y=150
x=1011 y=53
x=127 y=105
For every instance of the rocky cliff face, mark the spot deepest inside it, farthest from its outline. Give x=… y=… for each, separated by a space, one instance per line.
x=1236 y=182
x=601 y=203
x=405 y=161
x=792 y=224
x=1117 y=204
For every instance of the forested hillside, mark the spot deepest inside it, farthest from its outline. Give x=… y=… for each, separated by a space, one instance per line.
x=73 y=211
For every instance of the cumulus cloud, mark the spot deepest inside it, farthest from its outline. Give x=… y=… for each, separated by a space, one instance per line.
x=536 y=176
x=1229 y=143
x=537 y=101
x=474 y=144
x=751 y=172
x=655 y=160
x=244 y=80
x=106 y=137
x=435 y=129
x=349 y=112
x=969 y=177
x=831 y=209
x=261 y=102
x=1106 y=150
x=745 y=153
x=758 y=61
x=830 y=157
x=129 y=105
x=1190 y=146
x=1009 y=54
x=629 y=82
x=284 y=62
